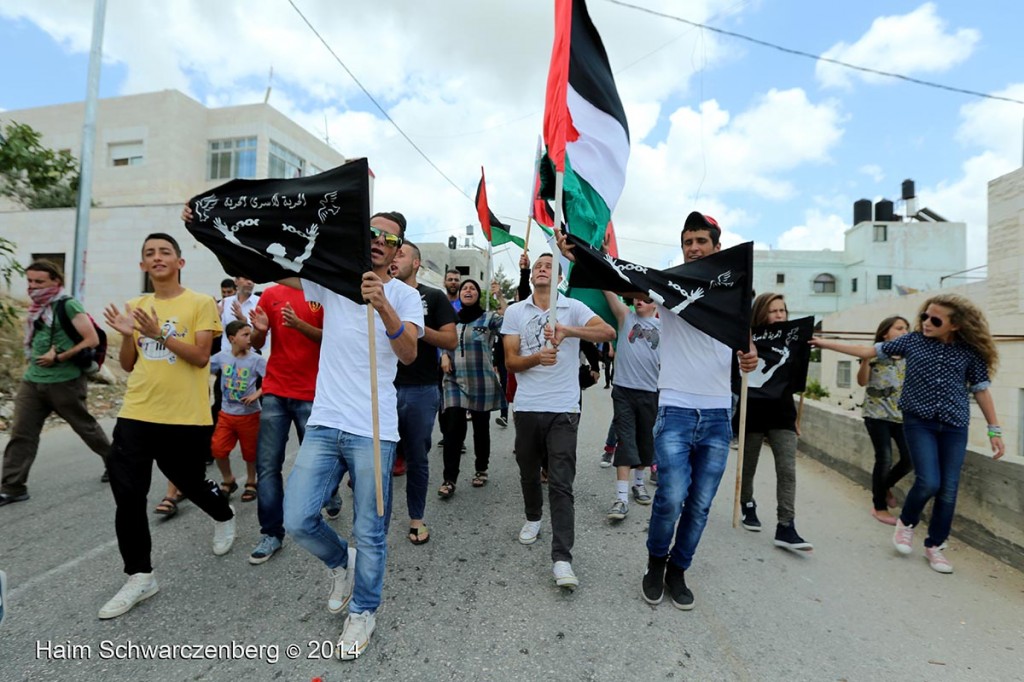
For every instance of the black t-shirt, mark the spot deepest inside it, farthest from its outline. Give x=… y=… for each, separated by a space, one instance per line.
x=437 y=312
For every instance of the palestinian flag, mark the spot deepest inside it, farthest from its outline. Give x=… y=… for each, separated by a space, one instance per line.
x=585 y=127
x=540 y=209
x=495 y=231
x=585 y=132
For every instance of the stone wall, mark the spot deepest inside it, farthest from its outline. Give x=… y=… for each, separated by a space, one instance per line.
x=990 y=504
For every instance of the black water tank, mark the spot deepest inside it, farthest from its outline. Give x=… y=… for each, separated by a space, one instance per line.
x=908 y=190
x=862 y=211
x=884 y=212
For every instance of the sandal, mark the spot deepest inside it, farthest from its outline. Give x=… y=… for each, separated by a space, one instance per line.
x=227 y=488
x=168 y=507
x=250 y=492
x=446 y=490
x=419 y=535
x=480 y=479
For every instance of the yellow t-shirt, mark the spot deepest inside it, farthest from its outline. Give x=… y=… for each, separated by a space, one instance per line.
x=162 y=388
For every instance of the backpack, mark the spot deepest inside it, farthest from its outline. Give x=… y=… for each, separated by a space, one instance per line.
x=89 y=360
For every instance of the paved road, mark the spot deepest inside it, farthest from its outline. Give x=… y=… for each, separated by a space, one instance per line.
x=474 y=604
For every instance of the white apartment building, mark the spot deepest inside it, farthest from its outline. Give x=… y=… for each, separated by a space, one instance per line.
x=884 y=256
x=153 y=152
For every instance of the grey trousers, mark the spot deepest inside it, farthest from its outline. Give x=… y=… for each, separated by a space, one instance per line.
x=553 y=434
x=783 y=445
x=32 y=405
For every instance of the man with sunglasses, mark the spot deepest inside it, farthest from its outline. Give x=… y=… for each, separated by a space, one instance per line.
x=339 y=432
x=52 y=382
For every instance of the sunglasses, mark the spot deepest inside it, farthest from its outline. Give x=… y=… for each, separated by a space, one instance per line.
x=936 y=322
x=392 y=240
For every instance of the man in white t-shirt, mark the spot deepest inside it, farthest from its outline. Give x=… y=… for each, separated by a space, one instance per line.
x=339 y=432
x=692 y=431
x=547 y=406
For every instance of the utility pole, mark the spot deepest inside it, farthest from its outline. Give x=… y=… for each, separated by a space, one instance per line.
x=88 y=149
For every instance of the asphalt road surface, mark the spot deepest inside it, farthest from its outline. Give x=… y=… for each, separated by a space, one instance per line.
x=474 y=604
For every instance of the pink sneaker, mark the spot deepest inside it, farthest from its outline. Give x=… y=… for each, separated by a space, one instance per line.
x=937 y=561
x=903 y=538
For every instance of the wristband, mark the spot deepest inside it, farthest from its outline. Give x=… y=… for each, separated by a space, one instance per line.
x=398 y=332
x=995 y=431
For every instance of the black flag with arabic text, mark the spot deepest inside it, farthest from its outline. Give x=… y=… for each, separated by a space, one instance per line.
x=315 y=227
x=782 y=358
x=713 y=293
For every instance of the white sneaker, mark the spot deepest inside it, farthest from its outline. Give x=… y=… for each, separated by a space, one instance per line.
x=903 y=538
x=528 y=535
x=139 y=586
x=355 y=635
x=341 y=584
x=937 y=560
x=564 y=577
x=224 y=535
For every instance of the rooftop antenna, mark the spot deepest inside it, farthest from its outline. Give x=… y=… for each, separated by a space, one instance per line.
x=270 y=83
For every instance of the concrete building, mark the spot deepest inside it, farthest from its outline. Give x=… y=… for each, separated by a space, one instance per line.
x=884 y=256
x=153 y=152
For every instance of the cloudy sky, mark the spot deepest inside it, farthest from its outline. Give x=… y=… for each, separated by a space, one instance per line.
x=777 y=147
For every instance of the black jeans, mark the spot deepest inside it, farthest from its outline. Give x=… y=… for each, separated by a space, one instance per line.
x=180 y=452
x=454 y=419
x=884 y=475
x=550 y=435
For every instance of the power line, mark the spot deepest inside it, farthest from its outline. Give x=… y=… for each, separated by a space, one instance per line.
x=376 y=103
x=820 y=58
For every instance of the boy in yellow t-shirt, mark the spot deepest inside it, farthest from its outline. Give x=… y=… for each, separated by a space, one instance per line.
x=165 y=345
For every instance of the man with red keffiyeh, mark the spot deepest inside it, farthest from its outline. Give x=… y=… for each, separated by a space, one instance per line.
x=52 y=382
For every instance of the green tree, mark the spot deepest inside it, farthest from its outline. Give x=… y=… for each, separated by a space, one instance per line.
x=9 y=267
x=34 y=175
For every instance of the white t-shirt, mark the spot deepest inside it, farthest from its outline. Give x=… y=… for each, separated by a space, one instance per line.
x=227 y=316
x=695 y=368
x=555 y=388
x=342 y=398
x=637 y=352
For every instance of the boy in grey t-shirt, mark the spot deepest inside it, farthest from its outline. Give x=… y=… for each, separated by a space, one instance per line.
x=239 y=420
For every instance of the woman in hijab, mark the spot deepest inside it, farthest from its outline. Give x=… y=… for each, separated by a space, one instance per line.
x=470 y=386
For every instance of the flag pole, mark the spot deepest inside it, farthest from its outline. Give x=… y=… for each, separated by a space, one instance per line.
x=371 y=333
x=490 y=276
x=526 y=243
x=552 y=310
x=739 y=452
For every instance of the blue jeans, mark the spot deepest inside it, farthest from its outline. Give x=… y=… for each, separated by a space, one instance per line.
x=938 y=450
x=276 y=421
x=417 y=408
x=326 y=454
x=691 y=448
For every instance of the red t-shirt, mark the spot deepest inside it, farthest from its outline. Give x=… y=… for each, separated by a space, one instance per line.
x=294 y=359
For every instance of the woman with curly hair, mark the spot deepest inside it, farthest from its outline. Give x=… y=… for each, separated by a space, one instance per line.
x=883 y=379
x=950 y=353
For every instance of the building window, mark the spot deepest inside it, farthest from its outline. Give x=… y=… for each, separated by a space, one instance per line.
x=824 y=284
x=232 y=158
x=125 y=153
x=881 y=233
x=315 y=169
x=884 y=282
x=780 y=278
x=285 y=163
x=853 y=285
x=843 y=373
x=57 y=259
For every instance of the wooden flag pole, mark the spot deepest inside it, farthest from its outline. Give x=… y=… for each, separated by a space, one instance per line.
x=371 y=334
x=739 y=452
x=526 y=243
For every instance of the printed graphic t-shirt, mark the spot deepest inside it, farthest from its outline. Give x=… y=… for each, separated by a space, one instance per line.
x=238 y=379
x=163 y=388
x=637 y=354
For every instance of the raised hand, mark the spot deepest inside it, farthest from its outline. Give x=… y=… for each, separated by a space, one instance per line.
x=124 y=323
x=259 y=320
x=288 y=316
x=147 y=324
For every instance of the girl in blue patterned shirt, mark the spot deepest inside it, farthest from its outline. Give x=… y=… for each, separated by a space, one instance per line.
x=950 y=353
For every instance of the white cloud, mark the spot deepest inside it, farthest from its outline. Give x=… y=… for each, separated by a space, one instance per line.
x=911 y=44
x=819 y=231
x=873 y=171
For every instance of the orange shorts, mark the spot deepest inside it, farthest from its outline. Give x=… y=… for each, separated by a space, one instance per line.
x=236 y=428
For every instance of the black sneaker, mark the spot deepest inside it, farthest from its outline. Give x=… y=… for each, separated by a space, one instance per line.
x=675 y=581
x=750 y=520
x=654 y=580
x=787 y=537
